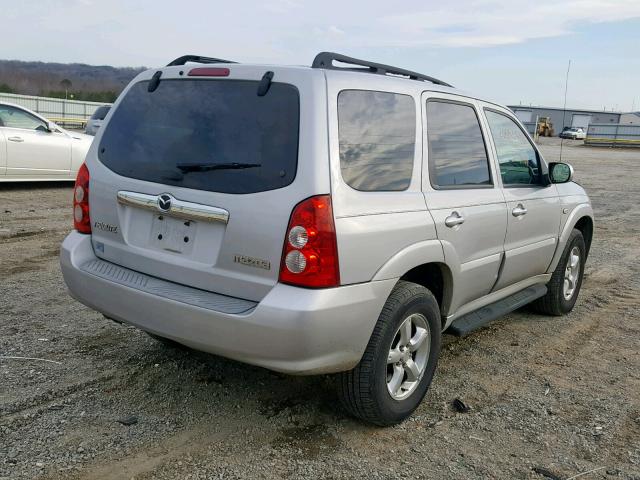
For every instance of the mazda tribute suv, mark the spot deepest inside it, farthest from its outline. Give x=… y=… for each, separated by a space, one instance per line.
x=336 y=218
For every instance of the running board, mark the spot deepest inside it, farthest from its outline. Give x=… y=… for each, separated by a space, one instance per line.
x=478 y=318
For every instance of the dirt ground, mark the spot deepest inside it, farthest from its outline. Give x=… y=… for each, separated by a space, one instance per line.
x=550 y=397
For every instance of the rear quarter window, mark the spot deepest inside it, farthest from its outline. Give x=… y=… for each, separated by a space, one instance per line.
x=155 y=136
x=377 y=139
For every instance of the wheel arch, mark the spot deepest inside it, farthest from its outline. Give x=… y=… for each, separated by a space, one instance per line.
x=585 y=225
x=422 y=263
x=437 y=278
x=582 y=219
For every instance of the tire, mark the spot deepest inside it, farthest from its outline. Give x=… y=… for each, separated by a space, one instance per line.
x=555 y=302
x=365 y=391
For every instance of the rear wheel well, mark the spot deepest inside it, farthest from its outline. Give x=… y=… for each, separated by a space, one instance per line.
x=434 y=276
x=585 y=225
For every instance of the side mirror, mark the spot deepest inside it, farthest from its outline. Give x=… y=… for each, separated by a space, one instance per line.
x=560 y=172
x=43 y=128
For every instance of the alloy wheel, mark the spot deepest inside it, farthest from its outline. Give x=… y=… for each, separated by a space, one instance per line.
x=571 y=273
x=408 y=356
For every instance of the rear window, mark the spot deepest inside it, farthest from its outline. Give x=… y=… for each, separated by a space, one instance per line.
x=100 y=113
x=215 y=135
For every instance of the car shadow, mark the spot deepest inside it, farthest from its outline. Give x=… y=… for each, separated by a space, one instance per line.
x=48 y=185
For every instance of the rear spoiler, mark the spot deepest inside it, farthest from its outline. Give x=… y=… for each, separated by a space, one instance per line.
x=197 y=59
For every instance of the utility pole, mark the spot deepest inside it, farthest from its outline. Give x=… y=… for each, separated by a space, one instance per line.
x=66 y=84
x=564 y=109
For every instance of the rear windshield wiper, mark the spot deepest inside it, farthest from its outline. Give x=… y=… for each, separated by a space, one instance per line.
x=203 y=167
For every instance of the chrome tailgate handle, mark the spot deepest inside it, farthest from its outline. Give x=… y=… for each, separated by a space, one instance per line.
x=167 y=204
x=519 y=210
x=454 y=219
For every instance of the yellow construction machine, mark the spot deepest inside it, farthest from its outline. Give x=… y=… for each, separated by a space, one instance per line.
x=544 y=128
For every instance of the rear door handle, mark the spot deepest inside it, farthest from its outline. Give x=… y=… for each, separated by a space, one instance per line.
x=454 y=219
x=519 y=210
x=15 y=139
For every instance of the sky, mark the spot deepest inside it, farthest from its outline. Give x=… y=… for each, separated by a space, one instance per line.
x=510 y=51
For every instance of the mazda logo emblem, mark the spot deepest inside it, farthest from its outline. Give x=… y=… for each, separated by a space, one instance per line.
x=164 y=202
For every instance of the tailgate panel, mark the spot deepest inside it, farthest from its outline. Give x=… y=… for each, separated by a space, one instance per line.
x=173 y=142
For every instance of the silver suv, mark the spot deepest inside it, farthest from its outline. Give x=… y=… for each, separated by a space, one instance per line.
x=332 y=219
x=96 y=120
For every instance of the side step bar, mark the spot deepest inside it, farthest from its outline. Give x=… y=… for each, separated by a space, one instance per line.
x=478 y=318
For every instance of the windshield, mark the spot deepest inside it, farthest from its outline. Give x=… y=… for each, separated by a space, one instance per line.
x=215 y=135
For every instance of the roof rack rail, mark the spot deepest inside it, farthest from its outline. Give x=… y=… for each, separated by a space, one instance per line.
x=325 y=60
x=197 y=59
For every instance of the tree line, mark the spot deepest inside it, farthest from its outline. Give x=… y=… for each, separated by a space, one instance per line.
x=72 y=81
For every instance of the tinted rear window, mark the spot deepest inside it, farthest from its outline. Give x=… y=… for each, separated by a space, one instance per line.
x=100 y=113
x=184 y=123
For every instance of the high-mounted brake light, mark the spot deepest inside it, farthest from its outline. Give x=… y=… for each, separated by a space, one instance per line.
x=310 y=253
x=81 y=220
x=208 y=72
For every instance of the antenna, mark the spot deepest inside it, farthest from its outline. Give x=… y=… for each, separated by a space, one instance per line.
x=564 y=109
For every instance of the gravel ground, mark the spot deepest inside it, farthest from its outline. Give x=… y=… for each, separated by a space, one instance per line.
x=550 y=397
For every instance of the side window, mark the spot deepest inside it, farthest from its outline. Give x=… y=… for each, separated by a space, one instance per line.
x=519 y=163
x=16 y=118
x=377 y=132
x=457 y=153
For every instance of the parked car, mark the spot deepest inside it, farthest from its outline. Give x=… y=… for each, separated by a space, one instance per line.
x=332 y=219
x=32 y=148
x=94 y=123
x=574 y=133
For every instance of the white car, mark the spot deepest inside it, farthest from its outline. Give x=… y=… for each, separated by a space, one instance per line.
x=574 y=133
x=34 y=149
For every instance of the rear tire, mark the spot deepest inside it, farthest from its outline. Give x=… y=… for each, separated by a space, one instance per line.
x=565 y=283
x=401 y=357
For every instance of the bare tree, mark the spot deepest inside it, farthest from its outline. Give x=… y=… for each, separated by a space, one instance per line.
x=66 y=84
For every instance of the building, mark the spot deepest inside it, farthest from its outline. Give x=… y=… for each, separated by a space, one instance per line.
x=570 y=117
x=632 y=118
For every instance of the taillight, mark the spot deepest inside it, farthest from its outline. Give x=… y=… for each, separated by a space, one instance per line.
x=310 y=254
x=208 y=72
x=81 y=221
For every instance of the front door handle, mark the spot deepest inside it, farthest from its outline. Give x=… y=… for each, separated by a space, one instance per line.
x=454 y=219
x=15 y=139
x=519 y=210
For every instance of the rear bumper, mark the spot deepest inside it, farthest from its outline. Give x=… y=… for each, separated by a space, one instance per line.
x=292 y=330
